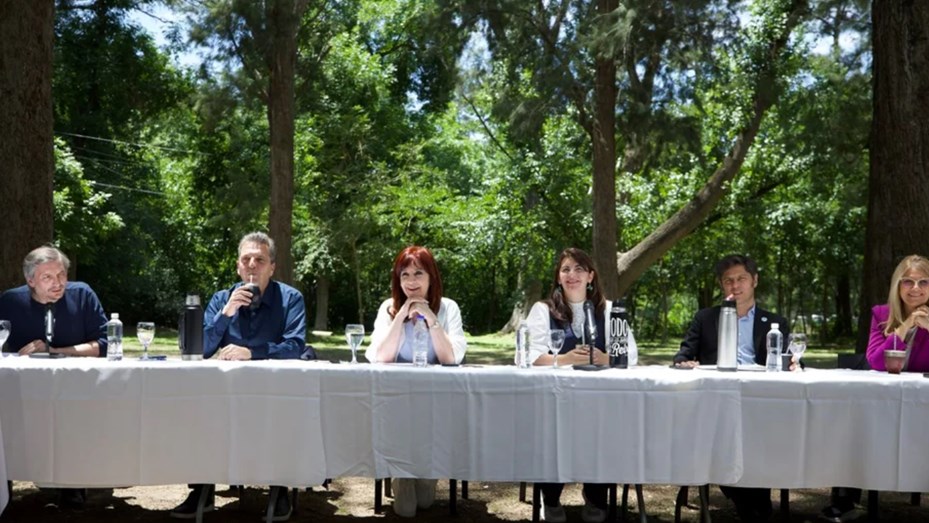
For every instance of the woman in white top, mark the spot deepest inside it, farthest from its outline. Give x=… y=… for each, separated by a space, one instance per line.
x=416 y=289
x=575 y=281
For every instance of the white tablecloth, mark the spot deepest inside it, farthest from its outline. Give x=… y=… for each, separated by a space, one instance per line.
x=97 y=423
x=836 y=428
x=504 y=424
x=83 y=422
x=4 y=493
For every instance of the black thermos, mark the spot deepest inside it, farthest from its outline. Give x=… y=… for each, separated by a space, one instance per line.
x=619 y=336
x=190 y=331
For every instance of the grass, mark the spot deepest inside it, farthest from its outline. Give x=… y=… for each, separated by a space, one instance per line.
x=487 y=349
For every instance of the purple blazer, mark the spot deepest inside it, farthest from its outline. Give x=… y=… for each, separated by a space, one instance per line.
x=878 y=343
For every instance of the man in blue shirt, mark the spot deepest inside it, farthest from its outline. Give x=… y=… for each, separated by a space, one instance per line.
x=77 y=318
x=238 y=328
x=71 y=310
x=242 y=324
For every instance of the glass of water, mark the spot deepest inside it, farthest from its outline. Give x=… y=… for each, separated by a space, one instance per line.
x=797 y=345
x=354 y=335
x=145 y=330
x=557 y=341
x=4 y=331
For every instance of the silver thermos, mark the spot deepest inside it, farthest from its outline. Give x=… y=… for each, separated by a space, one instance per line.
x=727 y=353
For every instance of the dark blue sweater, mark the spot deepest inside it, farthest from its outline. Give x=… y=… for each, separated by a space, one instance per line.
x=79 y=317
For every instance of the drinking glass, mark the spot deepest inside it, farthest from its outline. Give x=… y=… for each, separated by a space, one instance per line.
x=4 y=331
x=797 y=345
x=354 y=334
x=557 y=338
x=145 y=330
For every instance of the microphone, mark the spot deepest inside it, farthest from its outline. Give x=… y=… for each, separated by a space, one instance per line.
x=590 y=328
x=49 y=326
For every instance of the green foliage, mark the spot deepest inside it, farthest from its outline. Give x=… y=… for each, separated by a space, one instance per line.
x=463 y=126
x=78 y=204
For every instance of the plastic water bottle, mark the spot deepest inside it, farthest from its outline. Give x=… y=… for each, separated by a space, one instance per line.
x=775 y=341
x=619 y=336
x=114 y=338
x=420 y=342
x=727 y=350
x=522 y=345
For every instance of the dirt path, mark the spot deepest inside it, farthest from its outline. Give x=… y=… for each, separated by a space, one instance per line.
x=351 y=499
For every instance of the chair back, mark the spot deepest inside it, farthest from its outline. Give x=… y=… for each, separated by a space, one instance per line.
x=853 y=361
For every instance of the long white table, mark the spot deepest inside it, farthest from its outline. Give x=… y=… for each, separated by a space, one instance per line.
x=97 y=423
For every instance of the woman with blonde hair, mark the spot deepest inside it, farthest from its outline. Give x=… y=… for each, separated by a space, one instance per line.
x=903 y=322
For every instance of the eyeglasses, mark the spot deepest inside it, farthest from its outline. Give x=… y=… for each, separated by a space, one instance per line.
x=909 y=283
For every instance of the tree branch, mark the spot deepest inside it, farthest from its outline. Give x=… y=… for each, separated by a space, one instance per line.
x=487 y=129
x=633 y=263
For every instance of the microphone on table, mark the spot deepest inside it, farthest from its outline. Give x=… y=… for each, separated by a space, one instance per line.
x=590 y=328
x=49 y=326
x=590 y=336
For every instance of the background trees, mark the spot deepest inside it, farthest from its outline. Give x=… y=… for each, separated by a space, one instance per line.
x=898 y=217
x=496 y=133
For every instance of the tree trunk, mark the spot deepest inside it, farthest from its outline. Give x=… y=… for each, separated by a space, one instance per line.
x=285 y=19
x=26 y=151
x=321 y=321
x=356 y=267
x=843 y=306
x=521 y=309
x=603 y=138
x=898 y=185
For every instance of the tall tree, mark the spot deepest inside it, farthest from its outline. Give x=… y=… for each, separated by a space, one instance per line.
x=26 y=157
x=898 y=214
x=261 y=37
x=284 y=19
x=617 y=69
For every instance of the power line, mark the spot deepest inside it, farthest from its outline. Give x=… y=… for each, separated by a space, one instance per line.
x=124 y=188
x=134 y=144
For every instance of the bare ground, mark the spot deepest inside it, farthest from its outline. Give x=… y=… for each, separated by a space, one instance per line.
x=353 y=499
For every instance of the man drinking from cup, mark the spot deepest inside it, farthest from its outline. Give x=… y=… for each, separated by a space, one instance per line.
x=258 y=318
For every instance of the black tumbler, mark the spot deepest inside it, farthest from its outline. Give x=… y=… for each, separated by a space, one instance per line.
x=256 y=295
x=190 y=330
x=619 y=336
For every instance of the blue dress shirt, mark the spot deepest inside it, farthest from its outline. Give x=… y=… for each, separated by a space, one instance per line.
x=276 y=330
x=746 y=338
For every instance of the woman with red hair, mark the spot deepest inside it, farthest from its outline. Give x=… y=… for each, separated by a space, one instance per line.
x=416 y=288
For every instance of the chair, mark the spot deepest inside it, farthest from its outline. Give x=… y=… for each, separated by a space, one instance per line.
x=852 y=361
x=272 y=499
x=681 y=501
x=611 y=516
x=704 y=493
x=382 y=488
